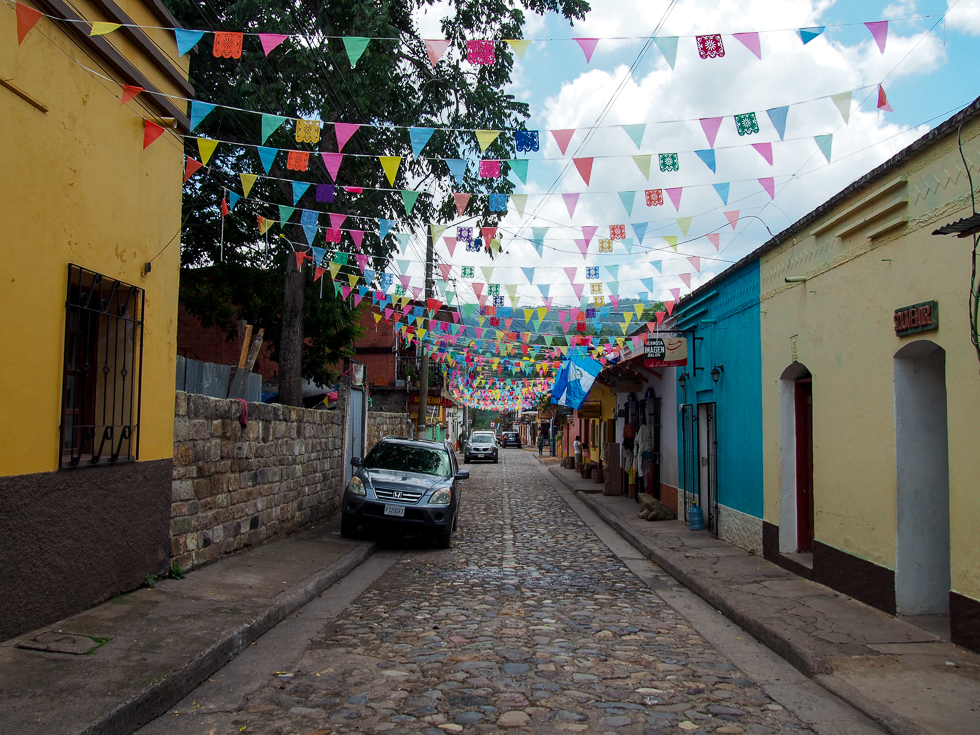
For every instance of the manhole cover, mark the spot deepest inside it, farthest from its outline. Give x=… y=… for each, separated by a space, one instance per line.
x=54 y=641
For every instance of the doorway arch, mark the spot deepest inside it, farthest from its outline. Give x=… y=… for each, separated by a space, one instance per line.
x=795 y=459
x=922 y=564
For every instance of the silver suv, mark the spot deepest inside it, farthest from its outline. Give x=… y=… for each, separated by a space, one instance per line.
x=480 y=445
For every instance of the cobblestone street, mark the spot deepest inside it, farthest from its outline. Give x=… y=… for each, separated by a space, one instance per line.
x=529 y=621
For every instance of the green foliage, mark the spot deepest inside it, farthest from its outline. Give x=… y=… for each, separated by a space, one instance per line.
x=149 y=580
x=229 y=270
x=175 y=571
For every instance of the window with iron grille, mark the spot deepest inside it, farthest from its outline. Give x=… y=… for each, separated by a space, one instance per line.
x=102 y=370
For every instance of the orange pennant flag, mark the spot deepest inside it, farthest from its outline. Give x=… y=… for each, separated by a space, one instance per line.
x=191 y=165
x=128 y=93
x=27 y=18
x=151 y=131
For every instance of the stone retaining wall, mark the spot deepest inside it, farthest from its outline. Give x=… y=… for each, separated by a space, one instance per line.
x=237 y=486
x=385 y=424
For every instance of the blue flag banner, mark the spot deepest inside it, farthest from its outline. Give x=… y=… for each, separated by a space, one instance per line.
x=575 y=380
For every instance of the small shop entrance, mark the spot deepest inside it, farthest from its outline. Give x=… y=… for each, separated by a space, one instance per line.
x=708 y=465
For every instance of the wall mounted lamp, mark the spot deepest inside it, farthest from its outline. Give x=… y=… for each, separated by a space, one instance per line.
x=682 y=379
x=795 y=279
x=716 y=372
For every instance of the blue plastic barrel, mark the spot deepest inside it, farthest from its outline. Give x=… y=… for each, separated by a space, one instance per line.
x=695 y=517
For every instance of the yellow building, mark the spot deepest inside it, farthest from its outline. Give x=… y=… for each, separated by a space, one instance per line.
x=87 y=376
x=871 y=391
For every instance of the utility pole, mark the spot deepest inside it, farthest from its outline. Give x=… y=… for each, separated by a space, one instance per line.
x=424 y=369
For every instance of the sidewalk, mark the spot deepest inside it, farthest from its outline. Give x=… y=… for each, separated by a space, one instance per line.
x=904 y=678
x=158 y=644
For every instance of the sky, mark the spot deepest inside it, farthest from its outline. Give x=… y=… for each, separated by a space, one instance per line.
x=926 y=70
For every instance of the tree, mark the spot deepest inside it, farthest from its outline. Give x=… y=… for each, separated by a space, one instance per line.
x=229 y=270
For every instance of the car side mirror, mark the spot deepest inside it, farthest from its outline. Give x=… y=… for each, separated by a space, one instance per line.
x=463 y=475
x=356 y=461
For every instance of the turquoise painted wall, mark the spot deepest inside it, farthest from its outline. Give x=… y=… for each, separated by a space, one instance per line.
x=726 y=319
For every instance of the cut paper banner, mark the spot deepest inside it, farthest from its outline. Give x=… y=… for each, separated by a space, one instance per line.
x=227 y=45
x=879 y=31
x=824 y=142
x=355 y=46
x=635 y=132
x=588 y=47
x=390 y=165
x=584 y=166
x=419 y=137
x=769 y=184
x=765 y=150
x=668 y=47
x=344 y=132
x=480 y=52
x=486 y=137
x=298 y=160
x=708 y=156
x=186 y=39
x=435 y=48
x=267 y=156
x=270 y=41
x=722 y=191
x=570 y=201
x=711 y=125
x=808 y=34
x=883 y=100
x=843 y=102
x=777 y=115
x=751 y=42
x=270 y=123
x=732 y=218
x=518 y=47
x=562 y=138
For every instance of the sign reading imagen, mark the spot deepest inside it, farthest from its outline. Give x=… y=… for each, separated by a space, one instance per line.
x=665 y=351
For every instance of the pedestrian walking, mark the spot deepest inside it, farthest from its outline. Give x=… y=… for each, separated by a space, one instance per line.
x=541 y=440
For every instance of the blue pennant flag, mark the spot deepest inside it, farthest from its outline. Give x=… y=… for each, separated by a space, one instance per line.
x=544 y=288
x=808 y=34
x=199 y=111
x=267 y=156
x=457 y=168
x=722 y=190
x=232 y=200
x=778 y=117
x=368 y=275
x=647 y=283
x=386 y=225
x=419 y=136
x=708 y=157
x=299 y=189
x=187 y=39
x=318 y=254
x=529 y=274
x=640 y=230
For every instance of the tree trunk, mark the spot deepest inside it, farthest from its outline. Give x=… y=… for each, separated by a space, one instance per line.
x=291 y=341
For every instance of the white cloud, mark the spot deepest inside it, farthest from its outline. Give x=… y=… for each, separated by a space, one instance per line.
x=964 y=16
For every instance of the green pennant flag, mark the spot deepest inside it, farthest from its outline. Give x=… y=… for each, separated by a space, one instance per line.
x=270 y=123
x=285 y=213
x=519 y=167
x=355 y=46
x=408 y=199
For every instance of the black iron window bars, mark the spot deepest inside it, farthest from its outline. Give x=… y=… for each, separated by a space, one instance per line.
x=103 y=368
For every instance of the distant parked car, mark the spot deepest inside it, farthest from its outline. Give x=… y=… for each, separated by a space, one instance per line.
x=406 y=485
x=510 y=439
x=480 y=445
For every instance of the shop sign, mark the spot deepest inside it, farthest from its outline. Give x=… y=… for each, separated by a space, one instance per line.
x=431 y=400
x=590 y=411
x=917 y=318
x=626 y=385
x=665 y=352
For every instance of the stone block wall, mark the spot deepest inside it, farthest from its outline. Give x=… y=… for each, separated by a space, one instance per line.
x=385 y=424
x=237 y=486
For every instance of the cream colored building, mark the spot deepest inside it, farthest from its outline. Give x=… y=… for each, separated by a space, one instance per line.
x=871 y=469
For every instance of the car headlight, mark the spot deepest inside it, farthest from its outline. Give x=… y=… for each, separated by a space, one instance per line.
x=356 y=487
x=441 y=497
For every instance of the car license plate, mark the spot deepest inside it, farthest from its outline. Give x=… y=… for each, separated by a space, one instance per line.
x=395 y=510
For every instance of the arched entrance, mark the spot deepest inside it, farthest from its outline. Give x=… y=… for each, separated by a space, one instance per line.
x=796 y=459
x=922 y=567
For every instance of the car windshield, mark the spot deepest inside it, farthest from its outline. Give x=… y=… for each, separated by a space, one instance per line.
x=404 y=458
x=481 y=439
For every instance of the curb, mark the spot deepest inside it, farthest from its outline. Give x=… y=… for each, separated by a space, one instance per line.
x=564 y=481
x=159 y=697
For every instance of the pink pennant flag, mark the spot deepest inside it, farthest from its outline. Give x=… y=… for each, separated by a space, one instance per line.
x=435 y=48
x=615 y=301
x=733 y=217
x=478 y=288
x=675 y=196
x=879 y=30
x=695 y=261
x=715 y=239
x=445 y=269
x=270 y=41
x=362 y=261
x=388 y=312
x=345 y=290
x=765 y=150
x=461 y=201
x=588 y=232
x=562 y=315
x=660 y=316
x=565 y=326
x=354 y=189
x=637 y=341
x=676 y=293
x=588 y=46
x=577 y=288
x=583 y=246
x=769 y=184
x=450 y=243
x=337 y=220
x=562 y=138
x=332 y=162
x=570 y=272
x=417 y=290
x=547 y=302
x=883 y=100
x=406 y=280
x=344 y=132
x=686 y=278
x=751 y=42
x=456 y=316
x=584 y=166
x=669 y=305
x=358 y=237
x=710 y=125
x=570 y=201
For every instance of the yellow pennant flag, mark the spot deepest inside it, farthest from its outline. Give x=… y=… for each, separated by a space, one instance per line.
x=100 y=28
x=542 y=312
x=390 y=164
x=685 y=224
x=206 y=146
x=486 y=137
x=624 y=327
x=334 y=267
x=264 y=225
x=638 y=308
x=353 y=279
x=627 y=316
x=377 y=318
x=248 y=180
x=528 y=313
x=421 y=332
x=643 y=163
x=481 y=320
x=519 y=47
x=671 y=240
x=564 y=350
x=437 y=231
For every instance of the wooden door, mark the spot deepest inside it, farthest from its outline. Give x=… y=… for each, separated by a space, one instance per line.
x=804 y=463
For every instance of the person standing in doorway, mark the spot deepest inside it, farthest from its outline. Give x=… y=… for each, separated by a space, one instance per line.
x=577 y=446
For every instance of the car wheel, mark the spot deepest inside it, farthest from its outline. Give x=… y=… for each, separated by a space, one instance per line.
x=444 y=540
x=348 y=527
x=495 y=460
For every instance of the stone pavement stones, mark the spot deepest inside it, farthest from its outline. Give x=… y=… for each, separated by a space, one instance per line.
x=528 y=624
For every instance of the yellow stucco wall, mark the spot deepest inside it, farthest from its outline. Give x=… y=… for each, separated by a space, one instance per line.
x=77 y=187
x=839 y=325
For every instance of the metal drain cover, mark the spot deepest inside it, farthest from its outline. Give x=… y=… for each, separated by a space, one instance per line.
x=54 y=641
